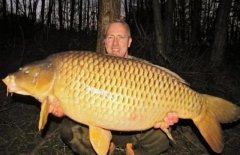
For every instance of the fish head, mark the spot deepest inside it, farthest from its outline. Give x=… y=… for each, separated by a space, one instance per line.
x=35 y=79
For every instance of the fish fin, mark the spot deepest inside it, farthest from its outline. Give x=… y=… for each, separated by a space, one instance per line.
x=43 y=114
x=228 y=112
x=111 y=149
x=129 y=149
x=210 y=129
x=217 y=111
x=100 y=139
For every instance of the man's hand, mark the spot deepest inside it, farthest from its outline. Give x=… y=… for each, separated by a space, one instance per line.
x=56 y=109
x=169 y=120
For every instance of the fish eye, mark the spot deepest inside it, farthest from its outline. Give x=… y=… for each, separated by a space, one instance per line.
x=26 y=71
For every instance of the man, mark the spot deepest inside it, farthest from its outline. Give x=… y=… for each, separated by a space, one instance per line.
x=117 y=40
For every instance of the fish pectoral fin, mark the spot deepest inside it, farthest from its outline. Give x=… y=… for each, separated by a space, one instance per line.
x=43 y=114
x=100 y=139
x=129 y=149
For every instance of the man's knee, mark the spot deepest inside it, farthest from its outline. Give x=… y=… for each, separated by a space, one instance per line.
x=76 y=136
x=66 y=130
x=151 y=142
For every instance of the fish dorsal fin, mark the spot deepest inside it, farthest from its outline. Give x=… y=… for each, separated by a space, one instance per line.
x=43 y=114
x=160 y=67
x=100 y=139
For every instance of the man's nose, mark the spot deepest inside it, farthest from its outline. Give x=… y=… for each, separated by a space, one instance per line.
x=115 y=41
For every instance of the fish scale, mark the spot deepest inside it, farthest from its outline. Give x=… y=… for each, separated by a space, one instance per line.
x=101 y=89
x=112 y=93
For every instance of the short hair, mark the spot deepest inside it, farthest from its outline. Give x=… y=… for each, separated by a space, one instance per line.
x=121 y=21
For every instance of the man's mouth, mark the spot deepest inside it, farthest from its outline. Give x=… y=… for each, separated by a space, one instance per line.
x=116 y=49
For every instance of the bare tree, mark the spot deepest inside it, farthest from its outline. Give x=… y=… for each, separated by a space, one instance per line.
x=80 y=15
x=182 y=15
x=72 y=14
x=17 y=6
x=24 y=3
x=60 y=14
x=87 y=13
x=108 y=10
x=42 y=12
x=158 y=24
x=196 y=21
x=65 y=13
x=50 y=6
x=4 y=9
x=11 y=7
x=32 y=9
x=220 y=32
x=168 y=26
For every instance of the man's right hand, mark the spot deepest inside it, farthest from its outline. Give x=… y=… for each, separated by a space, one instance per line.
x=169 y=120
x=56 y=109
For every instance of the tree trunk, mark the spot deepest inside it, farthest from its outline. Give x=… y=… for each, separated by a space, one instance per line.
x=60 y=14
x=108 y=10
x=220 y=32
x=30 y=10
x=49 y=20
x=34 y=11
x=126 y=7
x=17 y=6
x=87 y=15
x=196 y=22
x=72 y=14
x=24 y=3
x=168 y=26
x=65 y=14
x=182 y=14
x=11 y=6
x=42 y=12
x=158 y=24
x=4 y=9
x=80 y=10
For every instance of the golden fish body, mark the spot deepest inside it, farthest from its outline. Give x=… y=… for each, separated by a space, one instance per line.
x=120 y=94
x=112 y=93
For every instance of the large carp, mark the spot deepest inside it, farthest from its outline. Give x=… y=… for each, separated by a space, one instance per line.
x=111 y=93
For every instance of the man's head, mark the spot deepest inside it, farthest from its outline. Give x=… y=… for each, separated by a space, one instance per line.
x=117 y=38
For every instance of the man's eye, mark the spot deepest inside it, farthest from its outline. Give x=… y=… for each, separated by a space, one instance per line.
x=121 y=37
x=110 y=37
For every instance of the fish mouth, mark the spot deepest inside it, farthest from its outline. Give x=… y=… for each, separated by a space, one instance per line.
x=9 y=81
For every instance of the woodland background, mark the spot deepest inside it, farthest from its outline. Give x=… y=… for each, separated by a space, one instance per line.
x=198 y=39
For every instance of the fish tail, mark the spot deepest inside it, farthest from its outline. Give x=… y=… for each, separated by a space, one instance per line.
x=217 y=111
x=223 y=110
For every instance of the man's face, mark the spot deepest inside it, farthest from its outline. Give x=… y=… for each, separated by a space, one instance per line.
x=117 y=40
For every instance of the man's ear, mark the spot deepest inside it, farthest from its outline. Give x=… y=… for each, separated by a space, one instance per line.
x=129 y=42
x=104 y=41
